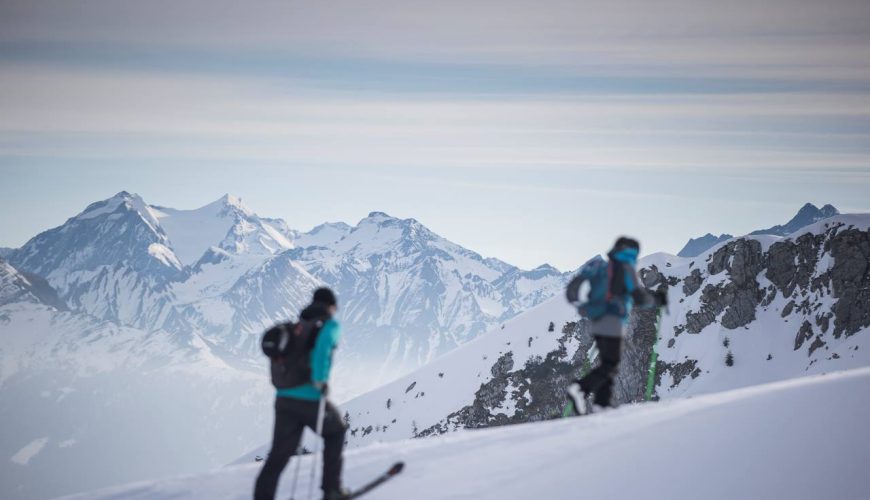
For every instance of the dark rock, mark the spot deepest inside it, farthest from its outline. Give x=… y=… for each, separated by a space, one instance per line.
x=678 y=371
x=823 y=321
x=503 y=365
x=692 y=282
x=804 y=333
x=850 y=279
x=650 y=277
x=817 y=343
x=791 y=264
x=740 y=296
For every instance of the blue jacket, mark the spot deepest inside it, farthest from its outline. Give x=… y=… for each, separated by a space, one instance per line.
x=614 y=286
x=321 y=363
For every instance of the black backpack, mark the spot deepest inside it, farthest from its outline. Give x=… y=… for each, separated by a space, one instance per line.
x=288 y=346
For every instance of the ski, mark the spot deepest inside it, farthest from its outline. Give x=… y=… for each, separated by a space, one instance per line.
x=383 y=478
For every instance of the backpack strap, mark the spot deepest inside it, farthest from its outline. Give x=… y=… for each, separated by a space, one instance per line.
x=609 y=294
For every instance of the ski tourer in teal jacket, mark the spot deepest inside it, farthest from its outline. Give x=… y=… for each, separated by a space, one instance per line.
x=321 y=354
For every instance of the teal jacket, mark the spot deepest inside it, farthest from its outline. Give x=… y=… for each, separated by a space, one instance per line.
x=321 y=363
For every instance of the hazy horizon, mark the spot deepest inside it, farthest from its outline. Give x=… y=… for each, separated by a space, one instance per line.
x=529 y=131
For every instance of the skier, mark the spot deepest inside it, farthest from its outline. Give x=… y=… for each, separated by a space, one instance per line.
x=614 y=286
x=298 y=407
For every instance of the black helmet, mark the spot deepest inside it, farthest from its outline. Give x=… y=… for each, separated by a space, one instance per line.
x=623 y=243
x=324 y=296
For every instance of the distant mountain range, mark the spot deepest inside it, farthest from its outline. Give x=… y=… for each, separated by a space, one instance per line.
x=222 y=271
x=808 y=214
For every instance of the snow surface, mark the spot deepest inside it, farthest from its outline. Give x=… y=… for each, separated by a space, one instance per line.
x=192 y=232
x=799 y=439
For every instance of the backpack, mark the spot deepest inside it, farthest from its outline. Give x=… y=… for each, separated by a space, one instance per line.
x=288 y=346
x=607 y=289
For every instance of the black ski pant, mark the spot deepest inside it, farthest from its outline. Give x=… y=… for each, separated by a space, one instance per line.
x=291 y=418
x=600 y=380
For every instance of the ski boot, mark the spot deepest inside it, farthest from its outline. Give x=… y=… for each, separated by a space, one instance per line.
x=577 y=396
x=339 y=494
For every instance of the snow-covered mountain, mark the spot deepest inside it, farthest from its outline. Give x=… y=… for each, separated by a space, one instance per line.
x=799 y=439
x=86 y=402
x=697 y=246
x=412 y=294
x=776 y=307
x=222 y=271
x=808 y=214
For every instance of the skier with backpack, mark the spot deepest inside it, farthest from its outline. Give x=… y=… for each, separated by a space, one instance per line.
x=613 y=288
x=301 y=359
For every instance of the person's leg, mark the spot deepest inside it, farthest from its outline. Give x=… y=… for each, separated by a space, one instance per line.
x=610 y=353
x=608 y=359
x=285 y=440
x=333 y=443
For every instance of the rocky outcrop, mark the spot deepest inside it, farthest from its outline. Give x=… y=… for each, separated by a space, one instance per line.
x=738 y=296
x=804 y=333
x=692 y=282
x=850 y=279
x=677 y=371
x=791 y=264
x=534 y=392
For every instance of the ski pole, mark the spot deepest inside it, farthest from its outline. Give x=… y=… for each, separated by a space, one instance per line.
x=321 y=410
x=653 y=359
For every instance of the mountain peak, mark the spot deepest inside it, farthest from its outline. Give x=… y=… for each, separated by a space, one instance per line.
x=231 y=199
x=810 y=211
x=808 y=214
x=829 y=211
x=379 y=215
x=110 y=205
x=233 y=202
x=697 y=246
x=808 y=208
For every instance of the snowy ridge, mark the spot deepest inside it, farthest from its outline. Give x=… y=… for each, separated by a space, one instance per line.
x=741 y=444
x=808 y=214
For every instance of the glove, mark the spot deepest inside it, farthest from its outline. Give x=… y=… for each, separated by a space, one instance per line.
x=323 y=387
x=660 y=297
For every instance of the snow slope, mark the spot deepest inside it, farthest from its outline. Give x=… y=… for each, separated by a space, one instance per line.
x=800 y=439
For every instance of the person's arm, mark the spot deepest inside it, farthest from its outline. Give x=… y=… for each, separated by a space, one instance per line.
x=642 y=297
x=321 y=360
x=572 y=292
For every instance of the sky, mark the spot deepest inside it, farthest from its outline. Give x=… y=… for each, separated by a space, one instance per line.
x=531 y=131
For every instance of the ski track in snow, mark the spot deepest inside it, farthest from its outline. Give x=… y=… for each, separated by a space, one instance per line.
x=756 y=442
